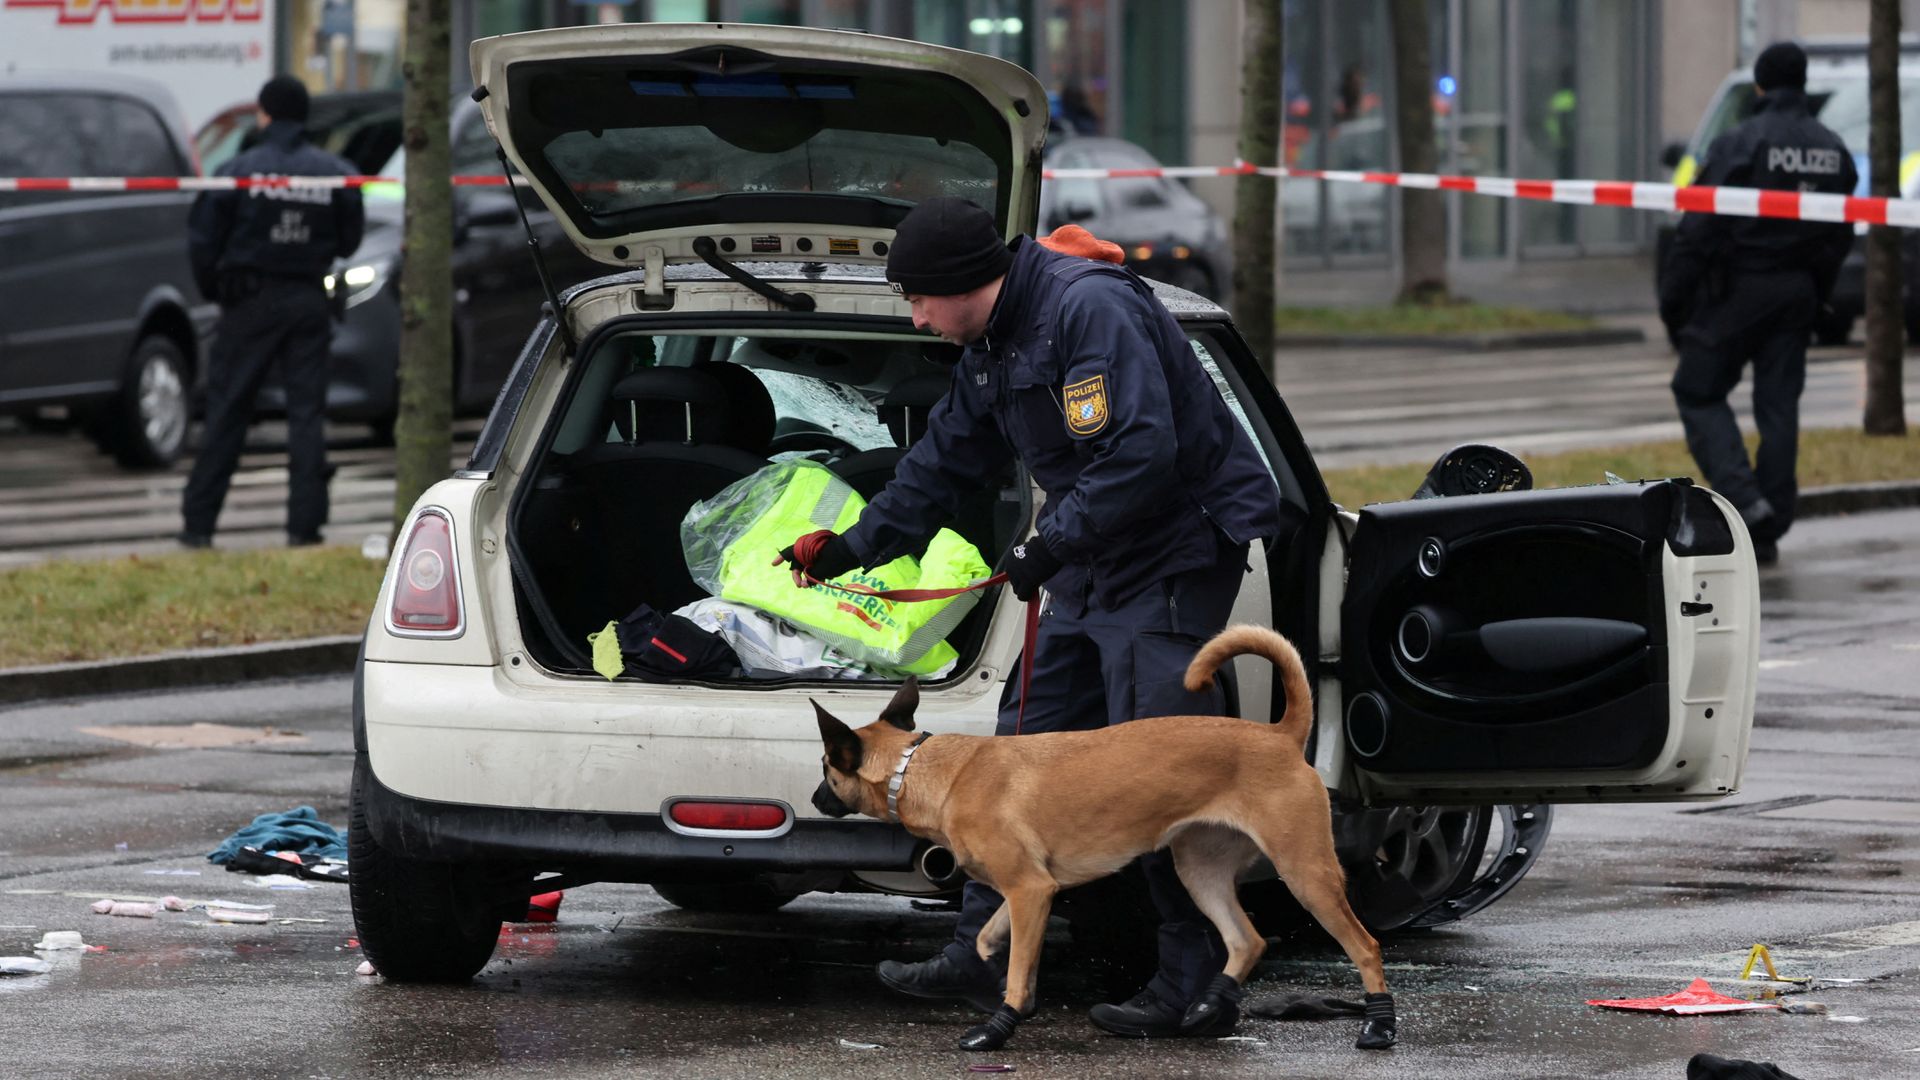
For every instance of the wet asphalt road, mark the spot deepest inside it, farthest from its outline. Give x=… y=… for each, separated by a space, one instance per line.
x=1817 y=856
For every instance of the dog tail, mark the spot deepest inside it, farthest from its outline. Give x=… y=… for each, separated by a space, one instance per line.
x=1238 y=640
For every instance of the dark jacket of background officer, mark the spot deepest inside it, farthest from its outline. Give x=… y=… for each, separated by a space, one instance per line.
x=264 y=253
x=1736 y=289
x=1154 y=492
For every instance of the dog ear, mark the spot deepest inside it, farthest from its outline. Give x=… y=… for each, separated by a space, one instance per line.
x=844 y=748
x=899 y=712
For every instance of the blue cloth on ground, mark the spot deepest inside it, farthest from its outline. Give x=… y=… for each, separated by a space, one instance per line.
x=298 y=829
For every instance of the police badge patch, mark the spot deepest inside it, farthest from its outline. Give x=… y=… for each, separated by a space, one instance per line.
x=1085 y=403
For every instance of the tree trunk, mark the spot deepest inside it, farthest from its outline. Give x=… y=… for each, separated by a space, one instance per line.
x=1254 y=196
x=1423 y=217
x=1885 y=412
x=422 y=432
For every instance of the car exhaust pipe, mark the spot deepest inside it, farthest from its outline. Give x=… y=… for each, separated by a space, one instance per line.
x=938 y=865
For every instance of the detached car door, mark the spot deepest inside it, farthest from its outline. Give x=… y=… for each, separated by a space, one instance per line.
x=1572 y=645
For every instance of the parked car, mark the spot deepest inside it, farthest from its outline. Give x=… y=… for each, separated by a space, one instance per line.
x=1837 y=94
x=99 y=315
x=1356 y=214
x=1476 y=658
x=1168 y=232
x=496 y=292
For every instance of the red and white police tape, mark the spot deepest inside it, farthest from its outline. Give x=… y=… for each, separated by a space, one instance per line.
x=1736 y=202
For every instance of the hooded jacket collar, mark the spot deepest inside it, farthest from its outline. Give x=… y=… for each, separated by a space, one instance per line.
x=285 y=134
x=1016 y=293
x=1786 y=99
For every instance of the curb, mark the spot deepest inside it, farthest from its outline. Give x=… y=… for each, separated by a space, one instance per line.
x=335 y=655
x=1854 y=498
x=1490 y=341
x=194 y=667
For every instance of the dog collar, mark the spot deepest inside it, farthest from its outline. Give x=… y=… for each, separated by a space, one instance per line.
x=900 y=774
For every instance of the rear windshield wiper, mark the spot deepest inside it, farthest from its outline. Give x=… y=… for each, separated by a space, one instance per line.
x=704 y=247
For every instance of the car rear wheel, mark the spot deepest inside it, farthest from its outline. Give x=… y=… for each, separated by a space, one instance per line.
x=417 y=921
x=145 y=426
x=739 y=897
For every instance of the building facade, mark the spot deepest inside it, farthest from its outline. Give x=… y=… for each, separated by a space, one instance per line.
x=1590 y=89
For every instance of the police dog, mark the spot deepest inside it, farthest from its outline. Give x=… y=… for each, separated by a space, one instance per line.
x=1036 y=814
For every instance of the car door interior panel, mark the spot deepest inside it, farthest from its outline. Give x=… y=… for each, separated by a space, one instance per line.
x=1519 y=631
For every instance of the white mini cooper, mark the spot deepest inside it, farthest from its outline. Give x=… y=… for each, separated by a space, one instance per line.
x=1477 y=658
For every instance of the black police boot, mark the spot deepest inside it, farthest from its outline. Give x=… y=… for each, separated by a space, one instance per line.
x=1216 y=1010
x=993 y=1034
x=1378 y=1032
x=1144 y=1017
x=944 y=977
x=190 y=539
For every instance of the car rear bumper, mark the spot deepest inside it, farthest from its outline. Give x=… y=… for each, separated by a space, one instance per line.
x=615 y=846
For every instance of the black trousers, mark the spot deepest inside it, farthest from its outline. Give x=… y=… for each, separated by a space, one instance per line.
x=1763 y=319
x=1093 y=668
x=289 y=323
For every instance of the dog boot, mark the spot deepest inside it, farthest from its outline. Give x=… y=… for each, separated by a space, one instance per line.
x=944 y=977
x=1216 y=1010
x=1377 y=1033
x=993 y=1034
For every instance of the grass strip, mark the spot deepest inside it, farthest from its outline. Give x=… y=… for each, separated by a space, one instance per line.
x=1827 y=456
x=139 y=605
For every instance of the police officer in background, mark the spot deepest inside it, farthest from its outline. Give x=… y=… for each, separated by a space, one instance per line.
x=1736 y=289
x=263 y=253
x=1154 y=492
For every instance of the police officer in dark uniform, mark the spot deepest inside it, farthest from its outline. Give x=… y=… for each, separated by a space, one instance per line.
x=1154 y=492
x=263 y=253
x=1736 y=289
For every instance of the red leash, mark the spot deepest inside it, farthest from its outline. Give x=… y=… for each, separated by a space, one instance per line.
x=807 y=548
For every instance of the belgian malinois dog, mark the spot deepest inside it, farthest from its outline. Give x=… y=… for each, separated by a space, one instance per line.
x=1035 y=814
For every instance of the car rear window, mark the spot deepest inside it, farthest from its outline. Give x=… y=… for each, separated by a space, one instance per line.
x=635 y=143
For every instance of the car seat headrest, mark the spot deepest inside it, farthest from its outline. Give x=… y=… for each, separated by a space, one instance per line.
x=669 y=405
x=750 y=412
x=904 y=409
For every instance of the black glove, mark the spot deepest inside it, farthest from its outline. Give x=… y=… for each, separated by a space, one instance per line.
x=834 y=558
x=1029 y=565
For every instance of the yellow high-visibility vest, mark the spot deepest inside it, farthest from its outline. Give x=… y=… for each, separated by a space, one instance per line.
x=731 y=539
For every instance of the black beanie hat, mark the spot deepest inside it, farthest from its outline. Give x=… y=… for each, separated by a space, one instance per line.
x=284 y=98
x=946 y=246
x=1781 y=66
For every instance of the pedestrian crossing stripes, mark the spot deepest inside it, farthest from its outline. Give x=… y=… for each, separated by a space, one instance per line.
x=59 y=498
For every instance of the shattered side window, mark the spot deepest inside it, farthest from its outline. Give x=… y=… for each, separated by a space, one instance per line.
x=1232 y=399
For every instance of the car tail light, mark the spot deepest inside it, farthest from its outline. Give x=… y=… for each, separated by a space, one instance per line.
x=729 y=816
x=426 y=586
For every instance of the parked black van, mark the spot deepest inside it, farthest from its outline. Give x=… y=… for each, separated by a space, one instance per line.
x=98 y=310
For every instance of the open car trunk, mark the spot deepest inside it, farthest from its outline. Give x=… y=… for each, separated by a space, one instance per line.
x=655 y=420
